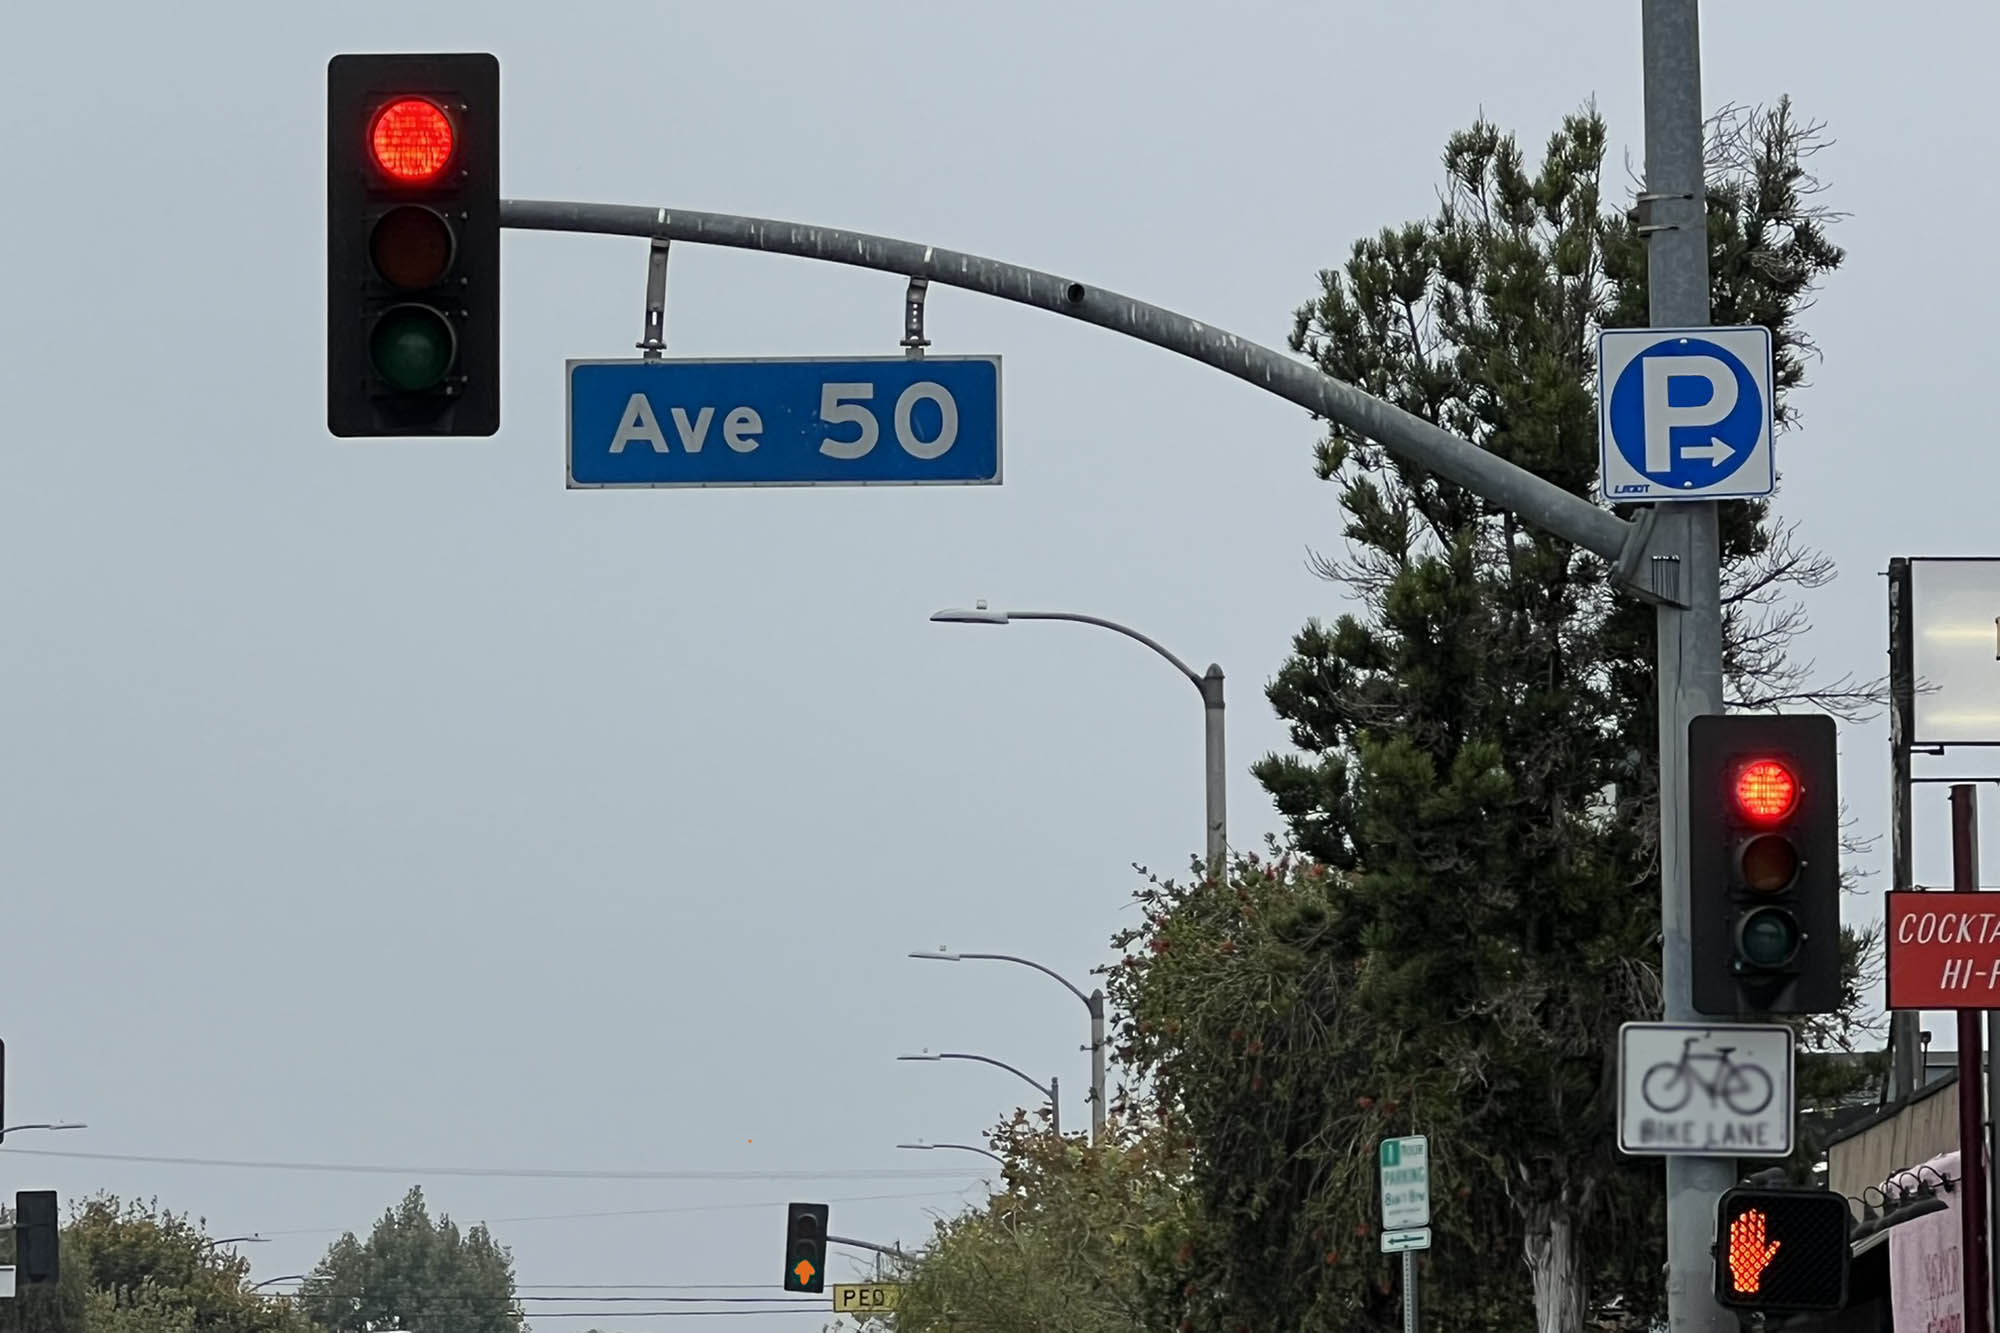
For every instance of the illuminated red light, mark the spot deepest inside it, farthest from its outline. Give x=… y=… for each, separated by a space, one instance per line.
x=1749 y=1253
x=411 y=139
x=1766 y=790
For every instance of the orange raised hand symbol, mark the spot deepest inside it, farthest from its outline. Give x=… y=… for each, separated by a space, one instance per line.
x=1749 y=1253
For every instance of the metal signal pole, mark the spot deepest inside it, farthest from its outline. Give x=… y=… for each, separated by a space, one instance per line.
x=1673 y=217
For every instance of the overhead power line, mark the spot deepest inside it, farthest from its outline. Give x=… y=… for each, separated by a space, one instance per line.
x=648 y=1212
x=504 y=1173
x=521 y=1287
x=820 y=1308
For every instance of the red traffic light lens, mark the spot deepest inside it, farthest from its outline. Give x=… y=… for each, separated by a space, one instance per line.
x=1766 y=791
x=411 y=140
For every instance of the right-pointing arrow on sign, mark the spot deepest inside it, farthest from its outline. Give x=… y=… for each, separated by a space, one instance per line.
x=1717 y=452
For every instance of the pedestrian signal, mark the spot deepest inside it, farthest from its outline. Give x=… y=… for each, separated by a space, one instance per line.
x=1781 y=1250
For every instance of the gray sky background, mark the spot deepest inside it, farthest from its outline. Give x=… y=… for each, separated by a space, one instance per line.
x=383 y=803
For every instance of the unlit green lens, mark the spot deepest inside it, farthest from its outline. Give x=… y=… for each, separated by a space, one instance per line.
x=412 y=347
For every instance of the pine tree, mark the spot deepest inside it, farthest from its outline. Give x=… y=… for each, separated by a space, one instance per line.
x=1476 y=776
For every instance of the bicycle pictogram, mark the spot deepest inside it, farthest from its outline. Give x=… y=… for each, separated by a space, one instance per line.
x=1669 y=1085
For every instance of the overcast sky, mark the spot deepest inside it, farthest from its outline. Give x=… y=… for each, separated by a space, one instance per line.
x=385 y=804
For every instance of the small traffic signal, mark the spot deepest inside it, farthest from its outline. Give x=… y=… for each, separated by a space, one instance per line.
x=1764 y=861
x=805 y=1247
x=413 y=245
x=37 y=1235
x=1781 y=1250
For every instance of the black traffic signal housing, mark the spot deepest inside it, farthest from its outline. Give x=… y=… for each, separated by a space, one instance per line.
x=413 y=245
x=1781 y=1249
x=805 y=1247
x=37 y=1236
x=1764 y=864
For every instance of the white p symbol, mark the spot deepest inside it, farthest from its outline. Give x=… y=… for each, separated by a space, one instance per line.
x=1659 y=371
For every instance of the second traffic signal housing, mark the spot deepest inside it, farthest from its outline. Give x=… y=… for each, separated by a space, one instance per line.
x=1764 y=861
x=805 y=1247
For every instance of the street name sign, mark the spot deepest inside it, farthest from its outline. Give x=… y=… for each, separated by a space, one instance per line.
x=872 y=421
x=1406 y=1183
x=1705 y=1089
x=864 y=1298
x=1396 y=1242
x=1685 y=414
x=1944 y=950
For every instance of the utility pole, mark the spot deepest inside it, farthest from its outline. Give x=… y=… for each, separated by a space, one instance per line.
x=1673 y=217
x=1905 y=1045
x=1971 y=1090
x=1215 y=770
x=1097 y=1107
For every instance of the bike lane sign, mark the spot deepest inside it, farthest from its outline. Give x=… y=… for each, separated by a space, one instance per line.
x=1705 y=1089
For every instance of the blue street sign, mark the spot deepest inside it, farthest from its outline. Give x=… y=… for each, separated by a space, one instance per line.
x=880 y=421
x=1685 y=414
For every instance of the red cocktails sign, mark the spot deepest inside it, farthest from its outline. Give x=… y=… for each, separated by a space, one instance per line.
x=1944 y=950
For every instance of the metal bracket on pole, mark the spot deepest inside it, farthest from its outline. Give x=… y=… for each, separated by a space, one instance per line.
x=1646 y=568
x=914 y=341
x=655 y=340
x=1642 y=210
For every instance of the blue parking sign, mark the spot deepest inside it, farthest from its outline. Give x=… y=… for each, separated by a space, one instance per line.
x=1685 y=414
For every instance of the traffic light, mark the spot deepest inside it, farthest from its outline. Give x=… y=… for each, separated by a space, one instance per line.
x=1781 y=1250
x=1764 y=860
x=805 y=1247
x=37 y=1235
x=413 y=245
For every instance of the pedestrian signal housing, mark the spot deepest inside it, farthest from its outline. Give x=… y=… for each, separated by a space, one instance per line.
x=1782 y=1250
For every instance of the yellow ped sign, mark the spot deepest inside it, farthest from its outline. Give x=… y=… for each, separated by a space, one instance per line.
x=864 y=1298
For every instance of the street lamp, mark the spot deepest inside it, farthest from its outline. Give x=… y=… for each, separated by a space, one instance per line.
x=961 y=1147
x=52 y=1125
x=288 y=1277
x=1048 y=1091
x=1208 y=682
x=252 y=1239
x=1094 y=1002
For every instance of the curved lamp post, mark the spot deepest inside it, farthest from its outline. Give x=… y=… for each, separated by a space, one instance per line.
x=1048 y=1090
x=288 y=1277
x=51 y=1125
x=1094 y=1002
x=1209 y=683
x=960 y=1147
